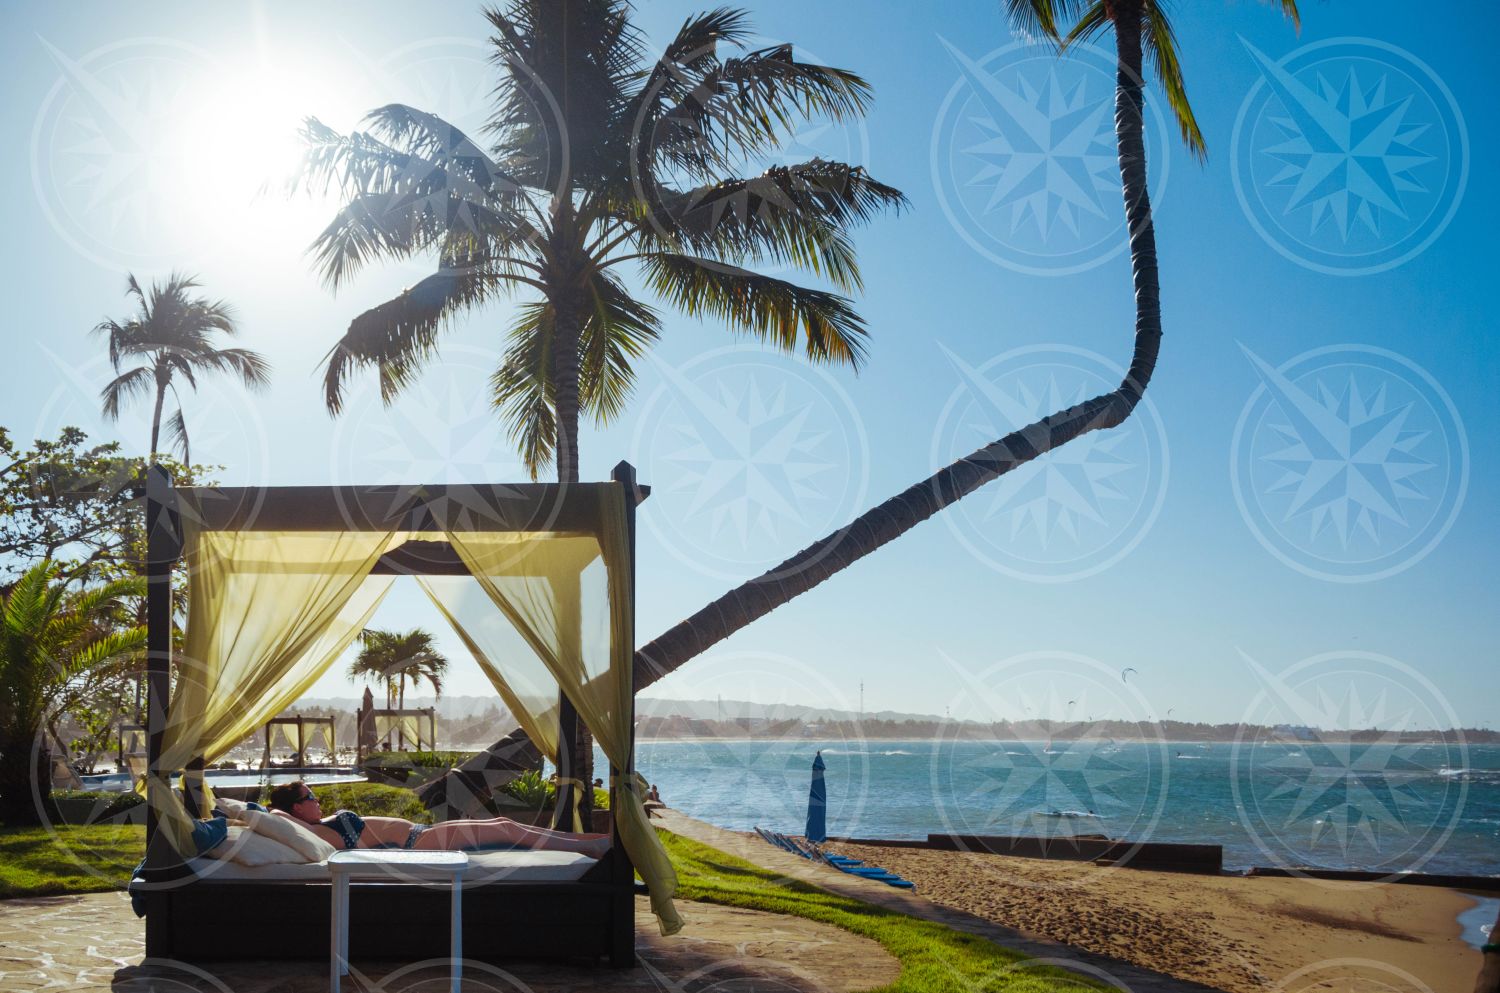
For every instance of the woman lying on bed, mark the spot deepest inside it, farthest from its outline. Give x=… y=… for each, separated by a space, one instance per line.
x=346 y=829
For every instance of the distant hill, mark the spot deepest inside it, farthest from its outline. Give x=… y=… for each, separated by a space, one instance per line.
x=730 y=710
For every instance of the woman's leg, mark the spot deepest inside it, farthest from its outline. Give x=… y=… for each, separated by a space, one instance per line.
x=449 y=835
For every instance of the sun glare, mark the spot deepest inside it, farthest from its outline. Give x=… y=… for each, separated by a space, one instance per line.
x=237 y=149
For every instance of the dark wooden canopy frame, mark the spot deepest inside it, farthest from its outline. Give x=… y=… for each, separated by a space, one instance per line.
x=204 y=919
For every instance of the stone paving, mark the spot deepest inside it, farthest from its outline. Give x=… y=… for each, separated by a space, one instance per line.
x=94 y=943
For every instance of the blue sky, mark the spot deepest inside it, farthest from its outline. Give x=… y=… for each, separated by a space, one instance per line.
x=1210 y=546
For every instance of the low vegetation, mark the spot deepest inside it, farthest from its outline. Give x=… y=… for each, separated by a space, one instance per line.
x=934 y=958
x=47 y=861
x=416 y=760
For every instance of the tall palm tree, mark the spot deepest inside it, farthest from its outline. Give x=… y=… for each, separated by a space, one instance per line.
x=1141 y=28
x=54 y=644
x=394 y=657
x=601 y=159
x=172 y=335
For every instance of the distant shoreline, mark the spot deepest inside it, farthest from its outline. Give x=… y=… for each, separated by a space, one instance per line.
x=1322 y=739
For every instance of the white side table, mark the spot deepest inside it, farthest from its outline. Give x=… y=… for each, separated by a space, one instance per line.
x=388 y=864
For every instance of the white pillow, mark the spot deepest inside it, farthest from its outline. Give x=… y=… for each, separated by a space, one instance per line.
x=298 y=837
x=248 y=848
x=233 y=809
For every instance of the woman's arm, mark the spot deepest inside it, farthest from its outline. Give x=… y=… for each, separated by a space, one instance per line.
x=327 y=834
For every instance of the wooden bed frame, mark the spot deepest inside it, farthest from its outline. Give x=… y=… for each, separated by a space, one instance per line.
x=191 y=919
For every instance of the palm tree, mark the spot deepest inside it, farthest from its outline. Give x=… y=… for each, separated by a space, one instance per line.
x=55 y=644
x=1140 y=26
x=394 y=657
x=600 y=159
x=172 y=335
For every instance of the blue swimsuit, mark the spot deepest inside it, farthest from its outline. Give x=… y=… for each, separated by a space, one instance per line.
x=349 y=826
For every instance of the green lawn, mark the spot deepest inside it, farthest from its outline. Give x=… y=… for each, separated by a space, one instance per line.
x=933 y=957
x=46 y=861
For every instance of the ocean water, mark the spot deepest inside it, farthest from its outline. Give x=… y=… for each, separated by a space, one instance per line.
x=1382 y=806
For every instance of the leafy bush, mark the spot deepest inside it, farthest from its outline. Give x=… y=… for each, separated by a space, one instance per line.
x=423 y=759
x=532 y=791
x=107 y=803
x=367 y=800
x=535 y=793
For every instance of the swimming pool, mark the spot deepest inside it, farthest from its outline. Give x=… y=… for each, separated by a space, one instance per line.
x=119 y=782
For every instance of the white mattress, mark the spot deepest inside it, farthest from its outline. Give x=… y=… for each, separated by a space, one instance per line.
x=521 y=866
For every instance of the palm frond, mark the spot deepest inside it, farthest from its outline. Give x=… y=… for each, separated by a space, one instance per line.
x=773 y=310
x=251 y=367
x=1160 y=43
x=619 y=328
x=795 y=214
x=522 y=388
x=124 y=387
x=177 y=435
x=739 y=108
x=398 y=335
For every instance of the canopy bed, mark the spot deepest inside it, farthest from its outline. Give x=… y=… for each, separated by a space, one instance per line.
x=537 y=580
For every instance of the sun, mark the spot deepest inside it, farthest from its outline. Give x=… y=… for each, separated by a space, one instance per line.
x=235 y=147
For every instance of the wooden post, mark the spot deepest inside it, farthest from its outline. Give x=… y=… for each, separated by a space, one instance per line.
x=622 y=937
x=567 y=728
x=163 y=546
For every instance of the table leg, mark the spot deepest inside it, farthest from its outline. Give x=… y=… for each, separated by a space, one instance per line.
x=456 y=941
x=344 y=931
x=335 y=928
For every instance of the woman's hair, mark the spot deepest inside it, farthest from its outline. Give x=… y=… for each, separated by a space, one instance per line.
x=285 y=796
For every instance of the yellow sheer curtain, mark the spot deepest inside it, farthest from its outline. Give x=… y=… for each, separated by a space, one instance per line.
x=569 y=596
x=268 y=613
x=522 y=679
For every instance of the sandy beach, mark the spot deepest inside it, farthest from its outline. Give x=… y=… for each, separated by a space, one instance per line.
x=1244 y=935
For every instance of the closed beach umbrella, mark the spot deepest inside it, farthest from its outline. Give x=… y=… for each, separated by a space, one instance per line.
x=817 y=804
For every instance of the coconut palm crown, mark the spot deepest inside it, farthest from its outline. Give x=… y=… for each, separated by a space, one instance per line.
x=394 y=657
x=173 y=336
x=602 y=162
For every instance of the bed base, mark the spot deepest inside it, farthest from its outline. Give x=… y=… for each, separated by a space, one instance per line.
x=211 y=920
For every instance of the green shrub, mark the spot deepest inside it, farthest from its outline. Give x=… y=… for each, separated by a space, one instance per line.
x=367 y=800
x=107 y=803
x=418 y=760
x=532 y=791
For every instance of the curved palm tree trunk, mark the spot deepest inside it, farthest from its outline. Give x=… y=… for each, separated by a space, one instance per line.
x=893 y=518
x=901 y=513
